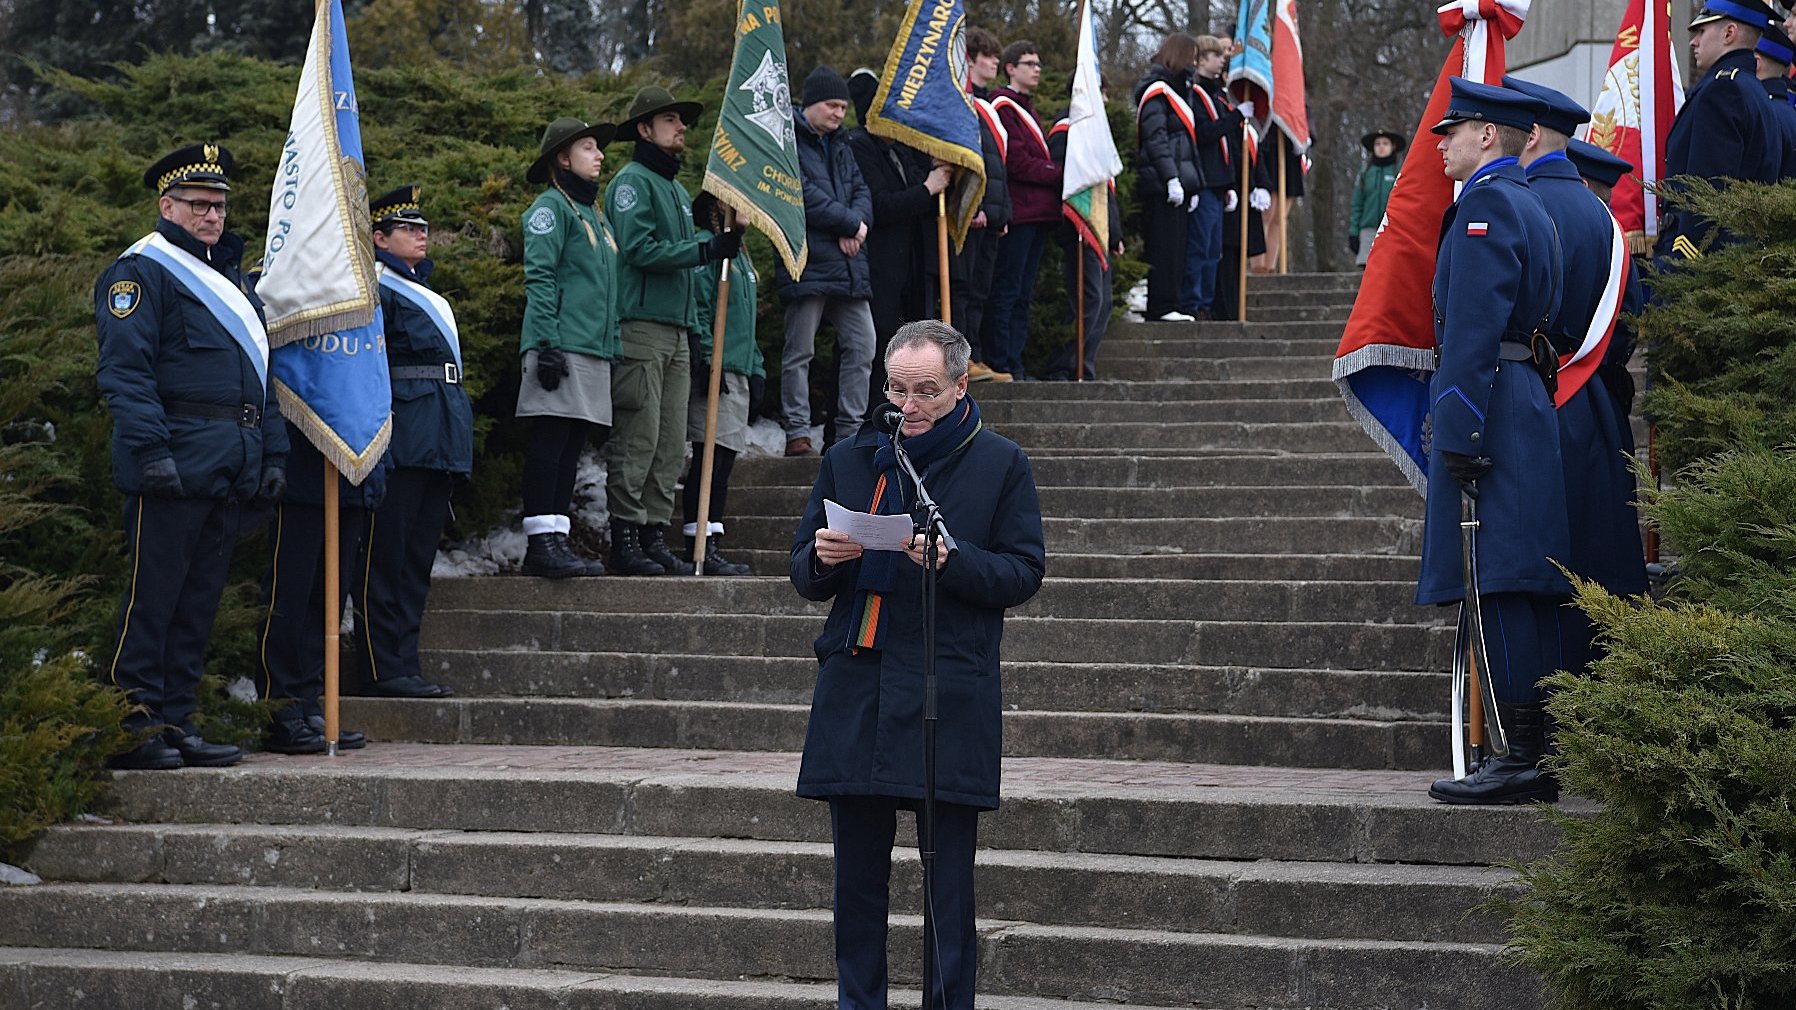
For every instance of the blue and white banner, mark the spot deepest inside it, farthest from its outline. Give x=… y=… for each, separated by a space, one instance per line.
x=318 y=284
x=1253 y=64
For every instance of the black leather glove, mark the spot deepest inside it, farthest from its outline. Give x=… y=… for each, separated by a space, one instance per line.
x=701 y=362
x=757 y=394
x=161 y=479
x=274 y=484
x=723 y=246
x=551 y=365
x=1466 y=470
x=1353 y=244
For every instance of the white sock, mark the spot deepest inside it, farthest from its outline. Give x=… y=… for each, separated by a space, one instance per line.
x=534 y=525
x=714 y=529
x=563 y=524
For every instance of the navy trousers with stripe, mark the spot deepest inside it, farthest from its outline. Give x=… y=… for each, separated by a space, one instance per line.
x=1522 y=633
x=290 y=642
x=180 y=551
x=394 y=582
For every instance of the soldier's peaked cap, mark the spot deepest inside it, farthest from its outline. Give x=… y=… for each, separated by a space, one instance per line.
x=201 y=166
x=1482 y=103
x=1595 y=164
x=396 y=205
x=1563 y=114
x=1775 y=45
x=1751 y=13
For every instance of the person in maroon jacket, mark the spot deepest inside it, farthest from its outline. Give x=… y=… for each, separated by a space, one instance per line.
x=1035 y=210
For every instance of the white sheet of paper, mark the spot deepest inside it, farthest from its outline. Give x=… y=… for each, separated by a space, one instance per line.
x=873 y=533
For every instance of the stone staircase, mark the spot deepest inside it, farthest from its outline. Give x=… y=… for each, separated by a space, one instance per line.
x=1222 y=713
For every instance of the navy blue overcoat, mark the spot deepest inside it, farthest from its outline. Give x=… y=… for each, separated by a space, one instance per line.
x=865 y=736
x=1724 y=131
x=433 y=424
x=1495 y=279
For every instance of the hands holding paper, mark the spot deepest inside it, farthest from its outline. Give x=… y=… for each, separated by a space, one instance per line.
x=835 y=547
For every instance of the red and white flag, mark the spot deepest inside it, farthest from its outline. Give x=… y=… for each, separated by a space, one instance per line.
x=1632 y=117
x=1289 y=110
x=1387 y=352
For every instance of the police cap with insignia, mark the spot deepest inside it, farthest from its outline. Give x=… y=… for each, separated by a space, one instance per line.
x=200 y=166
x=397 y=206
x=1562 y=115
x=1595 y=164
x=1483 y=103
x=1751 y=13
x=1775 y=45
x=560 y=135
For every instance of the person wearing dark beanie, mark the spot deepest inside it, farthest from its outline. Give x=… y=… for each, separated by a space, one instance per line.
x=823 y=85
x=863 y=84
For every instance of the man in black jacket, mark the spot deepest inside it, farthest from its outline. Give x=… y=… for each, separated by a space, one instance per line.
x=970 y=272
x=837 y=282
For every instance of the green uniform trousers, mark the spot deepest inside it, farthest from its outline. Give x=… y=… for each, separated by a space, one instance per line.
x=649 y=387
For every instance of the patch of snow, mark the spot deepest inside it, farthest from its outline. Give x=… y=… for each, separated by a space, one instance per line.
x=14 y=876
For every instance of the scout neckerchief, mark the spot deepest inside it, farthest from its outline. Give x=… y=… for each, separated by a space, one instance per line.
x=879 y=569
x=227 y=303
x=433 y=305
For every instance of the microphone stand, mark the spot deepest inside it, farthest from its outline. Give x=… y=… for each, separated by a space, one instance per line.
x=928 y=518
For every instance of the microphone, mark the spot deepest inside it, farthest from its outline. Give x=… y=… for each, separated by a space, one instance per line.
x=888 y=418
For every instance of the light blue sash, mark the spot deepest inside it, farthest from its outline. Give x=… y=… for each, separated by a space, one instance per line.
x=227 y=303
x=432 y=304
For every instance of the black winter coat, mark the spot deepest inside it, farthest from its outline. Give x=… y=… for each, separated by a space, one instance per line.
x=905 y=210
x=996 y=202
x=1164 y=148
x=836 y=204
x=866 y=728
x=1213 y=131
x=159 y=345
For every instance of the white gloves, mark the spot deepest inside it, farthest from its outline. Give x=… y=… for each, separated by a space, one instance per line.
x=1259 y=199
x=1193 y=204
x=1175 y=192
x=1234 y=201
x=1246 y=109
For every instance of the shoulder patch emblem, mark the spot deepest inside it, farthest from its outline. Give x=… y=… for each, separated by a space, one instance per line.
x=626 y=196
x=122 y=298
x=542 y=221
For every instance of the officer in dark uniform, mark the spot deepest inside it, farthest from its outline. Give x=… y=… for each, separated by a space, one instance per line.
x=1492 y=433
x=1594 y=440
x=1725 y=130
x=1601 y=170
x=432 y=449
x=183 y=364
x=1775 y=54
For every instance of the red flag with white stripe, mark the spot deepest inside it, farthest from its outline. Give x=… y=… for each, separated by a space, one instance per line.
x=1289 y=110
x=1632 y=117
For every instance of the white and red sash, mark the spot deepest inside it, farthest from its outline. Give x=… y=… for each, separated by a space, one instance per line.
x=1028 y=118
x=1576 y=368
x=1180 y=107
x=989 y=116
x=1215 y=114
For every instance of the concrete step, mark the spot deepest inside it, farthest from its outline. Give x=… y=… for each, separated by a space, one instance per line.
x=1227 y=567
x=738 y=726
x=1158 y=502
x=1321 y=349
x=1002 y=412
x=1308 y=646
x=1050 y=804
x=1260 y=534
x=1290 y=312
x=1135 y=599
x=52 y=977
x=1340 y=901
x=1259 y=297
x=1314 y=436
x=1147 y=966
x=1290 y=283
x=1288 y=329
x=1119 y=470
x=1175 y=361
x=1318 y=387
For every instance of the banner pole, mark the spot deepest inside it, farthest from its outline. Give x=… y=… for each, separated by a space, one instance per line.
x=720 y=314
x=1079 y=316
x=1242 y=207
x=1284 y=213
x=941 y=247
x=333 y=604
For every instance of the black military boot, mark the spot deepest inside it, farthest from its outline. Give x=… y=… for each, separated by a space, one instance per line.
x=655 y=546
x=715 y=562
x=1515 y=777
x=548 y=557
x=627 y=555
x=588 y=566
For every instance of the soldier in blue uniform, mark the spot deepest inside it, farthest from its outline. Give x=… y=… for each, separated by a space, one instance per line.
x=1492 y=433
x=1594 y=439
x=1725 y=130
x=1775 y=54
x=432 y=449
x=1601 y=170
x=183 y=364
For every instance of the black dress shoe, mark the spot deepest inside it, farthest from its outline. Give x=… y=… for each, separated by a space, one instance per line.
x=347 y=739
x=153 y=754
x=293 y=738
x=404 y=687
x=196 y=752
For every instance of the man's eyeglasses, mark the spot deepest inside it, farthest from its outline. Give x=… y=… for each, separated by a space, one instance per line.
x=1029 y=63
x=201 y=208
x=898 y=396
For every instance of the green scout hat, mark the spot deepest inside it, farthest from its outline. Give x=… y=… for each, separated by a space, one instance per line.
x=655 y=99
x=559 y=135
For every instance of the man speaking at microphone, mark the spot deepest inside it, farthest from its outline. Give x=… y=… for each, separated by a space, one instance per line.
x=863 y=750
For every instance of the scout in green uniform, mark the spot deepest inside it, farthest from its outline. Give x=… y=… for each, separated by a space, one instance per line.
x=569 y=338
x=657 y=249
x=1373 y=190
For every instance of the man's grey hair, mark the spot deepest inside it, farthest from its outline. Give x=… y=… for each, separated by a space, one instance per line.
x=955 y=349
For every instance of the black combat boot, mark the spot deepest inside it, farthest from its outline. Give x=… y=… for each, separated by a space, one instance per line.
x=549 y=557
x=715 y=562
x=627 y=556
x=1515 y=777
x=654 y=545
x=588 y=566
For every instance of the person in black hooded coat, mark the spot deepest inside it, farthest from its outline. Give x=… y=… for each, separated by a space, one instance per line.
x=1167 y=176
